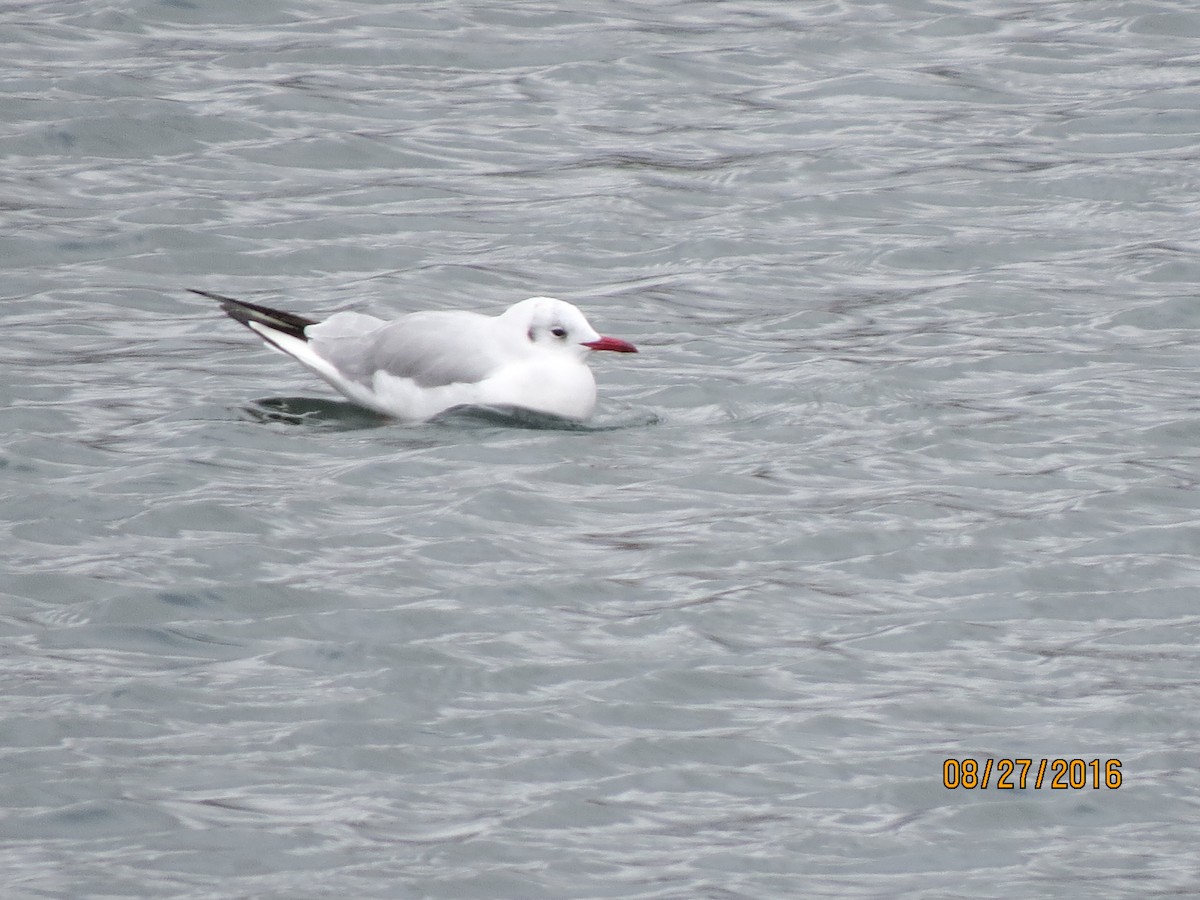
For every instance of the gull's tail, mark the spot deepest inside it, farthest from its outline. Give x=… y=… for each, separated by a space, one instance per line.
x=251 y=315
x=284 y=332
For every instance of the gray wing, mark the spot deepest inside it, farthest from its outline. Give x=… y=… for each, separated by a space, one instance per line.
x=431 y=348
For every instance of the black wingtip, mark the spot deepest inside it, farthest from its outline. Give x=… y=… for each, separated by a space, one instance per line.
x=245 y=313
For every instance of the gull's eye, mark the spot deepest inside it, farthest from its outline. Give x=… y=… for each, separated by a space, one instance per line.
x=559 y=332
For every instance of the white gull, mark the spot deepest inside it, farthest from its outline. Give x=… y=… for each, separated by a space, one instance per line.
x=532 y=356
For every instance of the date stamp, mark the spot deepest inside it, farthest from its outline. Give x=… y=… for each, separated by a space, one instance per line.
x=1011 y=774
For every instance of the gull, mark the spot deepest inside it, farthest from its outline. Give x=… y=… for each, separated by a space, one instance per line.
x=533 y=356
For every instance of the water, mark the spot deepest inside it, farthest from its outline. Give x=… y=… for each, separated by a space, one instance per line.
x=905 y=472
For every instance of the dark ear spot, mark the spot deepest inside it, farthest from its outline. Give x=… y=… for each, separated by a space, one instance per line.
x=530 y=333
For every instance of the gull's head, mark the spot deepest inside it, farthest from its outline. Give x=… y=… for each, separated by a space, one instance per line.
x=551 y=324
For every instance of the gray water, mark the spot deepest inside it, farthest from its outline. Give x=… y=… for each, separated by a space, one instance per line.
x=906 y=470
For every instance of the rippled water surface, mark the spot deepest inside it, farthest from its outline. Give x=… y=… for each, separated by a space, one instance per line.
x=906 y=470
